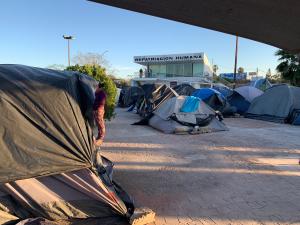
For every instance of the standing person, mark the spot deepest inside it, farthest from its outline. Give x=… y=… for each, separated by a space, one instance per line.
x=98 y=111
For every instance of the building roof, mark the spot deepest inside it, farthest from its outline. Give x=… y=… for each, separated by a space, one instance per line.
x=272 y=22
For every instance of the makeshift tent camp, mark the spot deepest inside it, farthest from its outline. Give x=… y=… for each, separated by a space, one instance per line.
x=242 y=98
x=169 y=117
x=280 y=103
x=211 y=97
x=262 y=84
x=48 y=162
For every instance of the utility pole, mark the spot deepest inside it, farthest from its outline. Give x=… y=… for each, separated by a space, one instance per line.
x=235 y=61
x=68 y=38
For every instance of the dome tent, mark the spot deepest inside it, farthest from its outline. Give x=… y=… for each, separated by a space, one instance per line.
x=223 y=89
x=170 y=119
x=211 y=97
x=280 y=103
x=242 y=98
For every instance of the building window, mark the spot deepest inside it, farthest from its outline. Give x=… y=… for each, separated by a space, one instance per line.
x=157 y=71
x=197 y=69
x=180 y=70
x=176 y=70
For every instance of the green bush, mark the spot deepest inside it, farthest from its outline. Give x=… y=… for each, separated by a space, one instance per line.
x=99 y=74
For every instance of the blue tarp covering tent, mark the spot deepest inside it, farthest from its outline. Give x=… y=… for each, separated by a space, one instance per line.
x=215 y=100
x=242 y=98
x=191 y=104
x=211 y=97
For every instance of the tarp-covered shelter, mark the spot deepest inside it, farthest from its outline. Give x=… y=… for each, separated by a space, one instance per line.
x=133 y=95
x=48 y=162
x=154 y=96
x=123 y=92
x=280 y=103
x=242 y=98
x=211 y=97
x=170 y=118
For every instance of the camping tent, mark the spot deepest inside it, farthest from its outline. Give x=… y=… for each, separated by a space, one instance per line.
x=242 y=98
x=170 y=118
x=211 y=97
x=223 y=89
x=48 y=162
x=280 y=103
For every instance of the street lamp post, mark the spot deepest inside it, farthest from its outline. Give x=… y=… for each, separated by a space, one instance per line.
x=235 y=61
x=68 y=38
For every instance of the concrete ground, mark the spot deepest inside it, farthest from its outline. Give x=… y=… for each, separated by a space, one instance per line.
x=247 y=175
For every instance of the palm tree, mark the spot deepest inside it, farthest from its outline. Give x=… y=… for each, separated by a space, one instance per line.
x=289 y=66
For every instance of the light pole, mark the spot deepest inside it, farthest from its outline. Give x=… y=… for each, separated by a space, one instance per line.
x=235 y=60
x=68 y=38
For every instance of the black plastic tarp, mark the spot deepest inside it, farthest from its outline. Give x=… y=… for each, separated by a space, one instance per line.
x=44 y=126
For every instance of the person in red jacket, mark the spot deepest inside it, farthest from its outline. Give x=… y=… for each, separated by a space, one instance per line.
x=99 y=111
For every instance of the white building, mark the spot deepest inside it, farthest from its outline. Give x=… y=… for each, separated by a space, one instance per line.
x=192 y=68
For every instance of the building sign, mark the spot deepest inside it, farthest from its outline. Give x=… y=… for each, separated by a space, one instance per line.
x=230 y=76
x=168 y=58
x=252 y=74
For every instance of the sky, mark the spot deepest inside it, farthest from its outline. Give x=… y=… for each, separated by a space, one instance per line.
x=31 y=34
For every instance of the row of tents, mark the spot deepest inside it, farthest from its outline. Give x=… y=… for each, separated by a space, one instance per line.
x=172 y=110
x=277 y=103
x=50 y=171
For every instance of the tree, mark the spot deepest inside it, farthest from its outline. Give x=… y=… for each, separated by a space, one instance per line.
x=90 y=58
x=289 y=66
x=241 y=70
x=99 y=74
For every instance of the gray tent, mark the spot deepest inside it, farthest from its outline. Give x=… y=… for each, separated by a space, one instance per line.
x=277 y=104
x=242 y=97
x=48 y=166
x=249 y=92
x=169 y=118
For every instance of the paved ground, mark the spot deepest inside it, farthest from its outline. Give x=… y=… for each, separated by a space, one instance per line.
x=248 y=175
